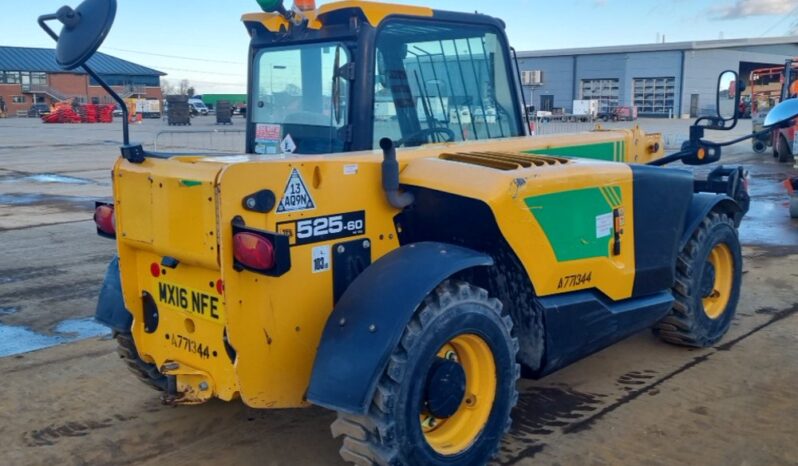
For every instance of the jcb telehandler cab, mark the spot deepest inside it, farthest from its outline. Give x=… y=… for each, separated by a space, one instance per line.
x=406 y=290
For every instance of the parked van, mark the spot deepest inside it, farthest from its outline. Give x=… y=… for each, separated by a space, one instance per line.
x=197 y=107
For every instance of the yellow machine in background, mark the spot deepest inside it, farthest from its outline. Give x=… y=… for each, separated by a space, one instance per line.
x=392 y=245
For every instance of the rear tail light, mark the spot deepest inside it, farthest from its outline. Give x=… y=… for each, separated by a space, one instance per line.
x=253 y=251
x=105 y=220
x=259 y=251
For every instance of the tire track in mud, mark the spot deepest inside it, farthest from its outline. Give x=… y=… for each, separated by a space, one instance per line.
x=50 y=435
x=542 y=411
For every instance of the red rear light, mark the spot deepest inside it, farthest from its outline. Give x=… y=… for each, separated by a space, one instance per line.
x=155 y=269
x=253 y=251
x=220 y=286
x=104 y=219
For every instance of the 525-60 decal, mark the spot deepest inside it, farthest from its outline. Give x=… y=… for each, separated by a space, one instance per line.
x=325 y=228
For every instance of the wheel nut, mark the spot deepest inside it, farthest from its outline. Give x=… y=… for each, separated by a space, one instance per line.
x=203 y=386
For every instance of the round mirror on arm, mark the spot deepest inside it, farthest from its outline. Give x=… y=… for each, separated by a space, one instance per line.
x=782 y=113
x=84 y=30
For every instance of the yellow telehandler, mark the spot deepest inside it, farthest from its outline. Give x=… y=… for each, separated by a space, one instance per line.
x=392 y=245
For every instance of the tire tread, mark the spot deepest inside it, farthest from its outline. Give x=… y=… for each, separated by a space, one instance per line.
x=370 y=439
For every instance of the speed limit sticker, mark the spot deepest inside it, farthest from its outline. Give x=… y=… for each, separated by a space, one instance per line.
x=321 y=259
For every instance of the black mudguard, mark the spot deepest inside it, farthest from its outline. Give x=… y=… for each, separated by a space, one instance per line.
x=704 y=203
x=111 y=310
x=368 y=321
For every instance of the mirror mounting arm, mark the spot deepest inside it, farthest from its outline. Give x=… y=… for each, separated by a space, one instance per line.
x=117 y=98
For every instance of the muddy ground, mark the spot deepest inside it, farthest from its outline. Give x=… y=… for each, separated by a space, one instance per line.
x=639 y=402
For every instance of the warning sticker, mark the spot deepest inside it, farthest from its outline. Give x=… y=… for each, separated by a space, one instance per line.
x=288 y=145
x=321 y=259
x=267 y=138
x=603 y=225
x=296 y=196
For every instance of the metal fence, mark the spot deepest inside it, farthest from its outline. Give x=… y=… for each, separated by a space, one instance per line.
x=543 y=126
x=215 y=140
x=546 y=126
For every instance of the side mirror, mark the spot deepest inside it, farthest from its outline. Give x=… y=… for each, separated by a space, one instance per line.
x=728 y=96
x=782 y=113
x=85 y=29
x=727 y=104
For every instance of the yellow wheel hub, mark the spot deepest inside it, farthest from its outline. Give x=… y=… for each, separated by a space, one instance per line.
x=457 y=433
x=717 y=300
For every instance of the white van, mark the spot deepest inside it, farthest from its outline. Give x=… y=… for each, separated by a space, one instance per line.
x=197 y=107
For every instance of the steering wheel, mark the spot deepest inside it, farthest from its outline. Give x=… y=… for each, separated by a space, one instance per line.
x=425 y=134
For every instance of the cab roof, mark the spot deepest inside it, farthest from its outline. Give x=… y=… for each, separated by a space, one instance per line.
x=340 y=12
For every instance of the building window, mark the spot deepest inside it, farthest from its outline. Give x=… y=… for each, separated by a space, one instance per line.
x=603 y=90
x=128 y=80
x=38 y=78
x=18 y=99
x=11 y=77
x=654 y=96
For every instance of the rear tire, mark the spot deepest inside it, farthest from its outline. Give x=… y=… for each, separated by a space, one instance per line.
x=147 y=373
x=784 y=153
x=708 y=276
x=457 y=323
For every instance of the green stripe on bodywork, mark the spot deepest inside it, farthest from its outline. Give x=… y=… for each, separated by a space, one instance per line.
x=613 y=195
x=599 y=151
x=568 y=220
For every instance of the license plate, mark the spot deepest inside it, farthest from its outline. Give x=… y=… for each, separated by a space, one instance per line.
x=197 y=303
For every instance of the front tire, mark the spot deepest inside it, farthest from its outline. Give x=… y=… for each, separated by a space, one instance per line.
x=446 y=395
x=708 y=276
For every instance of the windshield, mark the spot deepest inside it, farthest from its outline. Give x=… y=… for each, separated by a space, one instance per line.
x=439 y=83
x=300 y=99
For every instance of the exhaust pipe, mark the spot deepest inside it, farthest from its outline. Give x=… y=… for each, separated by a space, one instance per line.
x=390 y=177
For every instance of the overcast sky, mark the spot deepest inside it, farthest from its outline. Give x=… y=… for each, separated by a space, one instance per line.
x=205 y=42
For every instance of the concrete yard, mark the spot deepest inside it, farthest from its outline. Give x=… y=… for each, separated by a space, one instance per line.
x=639 y=402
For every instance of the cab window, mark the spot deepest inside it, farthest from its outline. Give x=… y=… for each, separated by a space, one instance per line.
x=300 y=95
x=441 y=83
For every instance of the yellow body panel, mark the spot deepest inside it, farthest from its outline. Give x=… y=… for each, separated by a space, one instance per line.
x=184 y=207
x=375 y=13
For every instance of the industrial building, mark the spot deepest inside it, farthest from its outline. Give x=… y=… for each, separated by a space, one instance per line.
x=676 y=79
x=31 y=76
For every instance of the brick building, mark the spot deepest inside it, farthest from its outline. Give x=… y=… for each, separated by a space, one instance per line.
x=31 y=75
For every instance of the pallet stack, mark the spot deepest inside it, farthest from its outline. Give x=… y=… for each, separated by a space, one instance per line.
x=178 y=112
x=224 y=113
